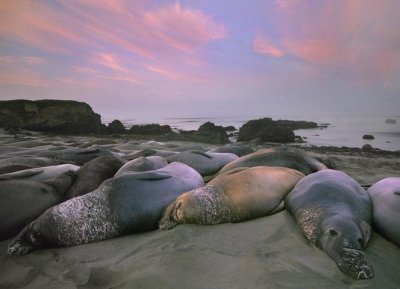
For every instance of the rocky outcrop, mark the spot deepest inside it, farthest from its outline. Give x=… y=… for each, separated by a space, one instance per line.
x=150 y=129
x=268 y=130
x=368 y=136
x=116 y=127
x=53 y=116
x=390 y=121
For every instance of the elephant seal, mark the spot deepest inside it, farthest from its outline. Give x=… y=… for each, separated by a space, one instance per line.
x=148 y=153
x=277 y=157
x=334 y=212
x=205 y=163
x=22 y=201
x=13 y=164
x=130 y=203
x=41 y=173
x=92 y=174
x=142 y=164
x=237 y=149
x=385 y=196
x=238 y=195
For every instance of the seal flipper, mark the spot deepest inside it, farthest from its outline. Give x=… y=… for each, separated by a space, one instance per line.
x=397 y=193
x=167 y=220
x=153 y=176
x=21 y=175
x=19 y=246
x=201 y=154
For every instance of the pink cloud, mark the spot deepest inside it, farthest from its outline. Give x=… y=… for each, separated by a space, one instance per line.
x=28 y=60
x=183 y=28
x=261 y=45
x=358 y=37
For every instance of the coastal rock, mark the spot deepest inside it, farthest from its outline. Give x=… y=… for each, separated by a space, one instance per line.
x=150 y=129
x=51 y=116
x=368 y=136
x=212 y=133
x=116 y=127
x=390 y=121
x=267 y=130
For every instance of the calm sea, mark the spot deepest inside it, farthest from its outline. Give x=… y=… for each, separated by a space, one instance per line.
x=342 y=130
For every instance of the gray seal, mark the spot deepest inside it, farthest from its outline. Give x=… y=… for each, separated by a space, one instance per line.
x=278 y=157
x=92 y=174
x=205 y=163
x=334 y=212
x=142 y=164
x=239 y=195
x=130 y=203
x=385 y=196
x=22 y=201
x=41 y=173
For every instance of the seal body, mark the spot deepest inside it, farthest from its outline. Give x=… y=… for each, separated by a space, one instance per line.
x=278 y=157
x=22 y=201
x=237 y=149
x=205 y=163
x=130 y=203
x=335 y=213
x=239 y=195
x=92 y=174
x=385 y=196
x=142 y=164
x=40 y=174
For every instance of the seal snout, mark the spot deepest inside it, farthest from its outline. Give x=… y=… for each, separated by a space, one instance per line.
x=171 y=216
x=355 y=263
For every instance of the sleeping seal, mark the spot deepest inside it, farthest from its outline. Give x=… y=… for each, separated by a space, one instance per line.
x=142 y=164
x=205 y=163
x=130 y=203
x=277 y=157
x=22 y=201
x=40 y=174
x=385 y=196
x=92 y=174
x=334 y=212
x=238 y=195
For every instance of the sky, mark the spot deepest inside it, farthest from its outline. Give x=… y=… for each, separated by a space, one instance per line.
x=204 y=58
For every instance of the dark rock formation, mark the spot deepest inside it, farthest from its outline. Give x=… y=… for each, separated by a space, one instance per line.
x=213 y=133
x=53 y=116
x=229 y=128
x=391 y=121
x=368 y=136
x=266 y=130
x=116 y=127
x=150 y=129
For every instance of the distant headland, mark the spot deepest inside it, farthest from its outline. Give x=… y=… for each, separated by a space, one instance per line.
x=73 y=117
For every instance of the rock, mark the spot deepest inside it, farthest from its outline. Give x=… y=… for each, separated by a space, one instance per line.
x=150 y=129
x=368 y=136
x=116 y=127
x=229 y=128
x=212 y=133
x=391 y=121
x=267 y=130
x=367 y=147
x=52 y=116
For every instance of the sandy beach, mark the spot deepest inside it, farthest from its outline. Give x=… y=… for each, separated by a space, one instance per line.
x=268 y=252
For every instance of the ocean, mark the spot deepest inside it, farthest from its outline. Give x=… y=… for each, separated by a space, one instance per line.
x=341 y=131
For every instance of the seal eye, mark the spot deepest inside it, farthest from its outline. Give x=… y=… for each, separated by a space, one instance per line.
x=333 y=233
x=361 y=242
